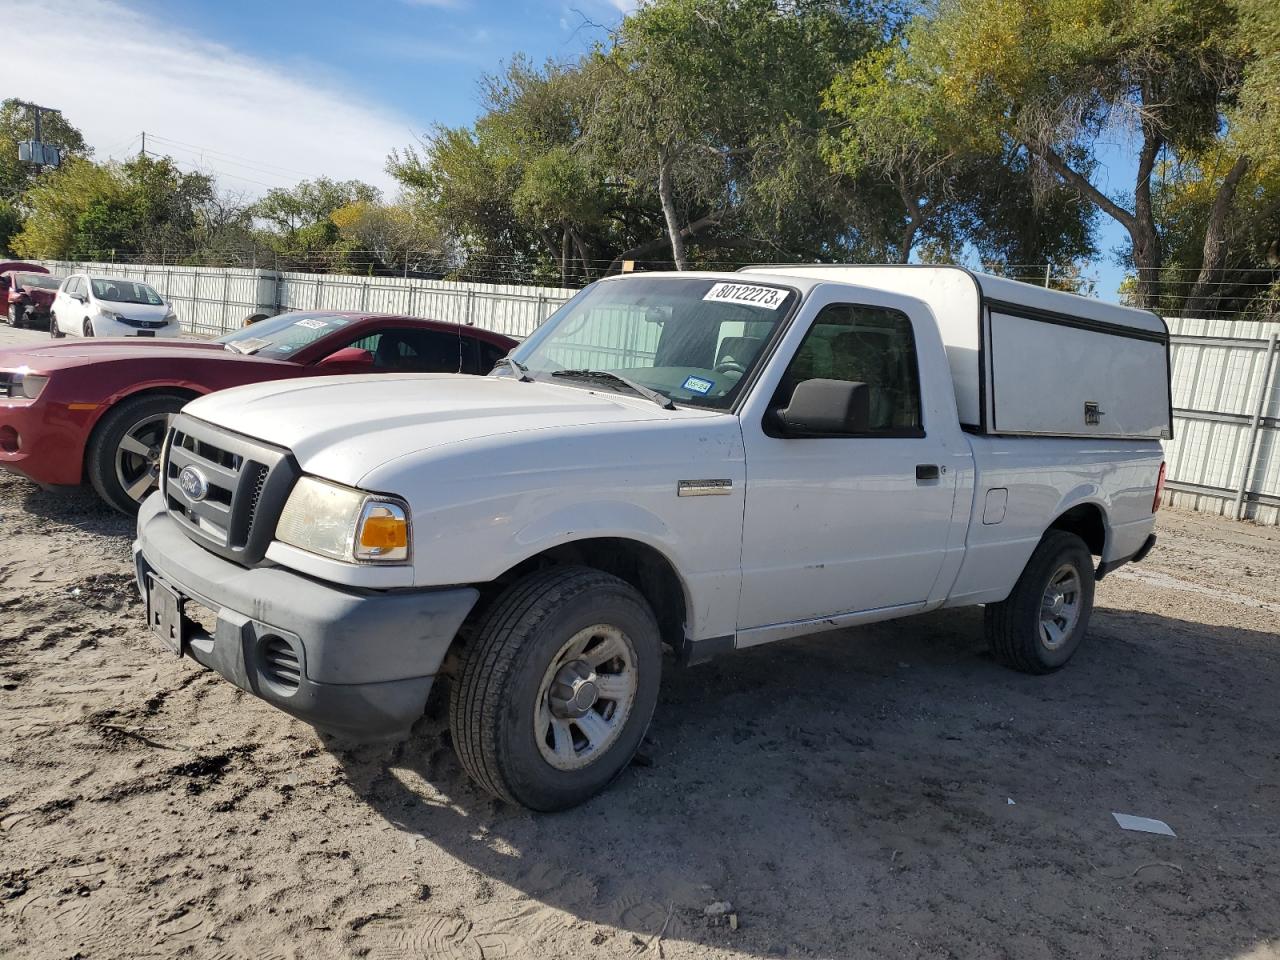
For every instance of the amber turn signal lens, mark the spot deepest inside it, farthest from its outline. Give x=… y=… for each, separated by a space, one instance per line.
x=384 y=532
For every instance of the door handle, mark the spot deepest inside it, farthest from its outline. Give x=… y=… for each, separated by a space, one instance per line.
x=927 y=471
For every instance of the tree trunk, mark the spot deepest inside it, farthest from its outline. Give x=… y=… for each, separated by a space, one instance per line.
x=653 y=246
x=908 y=240
x=1204 y=298
x=666 y=194
x=564 y=255
x=581 y=247
x=1146 y=241
x=1140 y=224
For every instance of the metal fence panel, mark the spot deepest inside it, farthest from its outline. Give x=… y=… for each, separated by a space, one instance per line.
x=1225 y=453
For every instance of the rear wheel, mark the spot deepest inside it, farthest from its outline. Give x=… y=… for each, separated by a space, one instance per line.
x=1040 y=626
x=557 y=688
x=14 y=318
x=124 y=453
x=54 y=332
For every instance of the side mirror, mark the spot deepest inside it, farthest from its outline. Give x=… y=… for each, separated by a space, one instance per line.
x=349 y=356
x=826 y=408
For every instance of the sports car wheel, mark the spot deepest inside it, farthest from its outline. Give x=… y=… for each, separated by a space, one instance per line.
x=124 y=452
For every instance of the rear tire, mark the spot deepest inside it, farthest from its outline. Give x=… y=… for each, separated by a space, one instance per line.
x=536 y=720
x=125 y=448
x=1041 y=624
x=54 y=332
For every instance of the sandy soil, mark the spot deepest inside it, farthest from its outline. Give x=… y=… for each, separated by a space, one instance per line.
x=849 y=794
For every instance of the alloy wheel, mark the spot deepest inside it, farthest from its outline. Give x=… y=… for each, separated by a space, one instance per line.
x=138 y=456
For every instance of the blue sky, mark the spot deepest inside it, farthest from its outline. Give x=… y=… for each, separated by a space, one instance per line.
x=265 y=93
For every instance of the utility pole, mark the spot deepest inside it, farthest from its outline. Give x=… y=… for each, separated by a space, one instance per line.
x=142 y=151
x=38 y=156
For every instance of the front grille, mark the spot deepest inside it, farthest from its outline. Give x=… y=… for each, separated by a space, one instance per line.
x=140 y=324
x=280 y=662
x=226 y=490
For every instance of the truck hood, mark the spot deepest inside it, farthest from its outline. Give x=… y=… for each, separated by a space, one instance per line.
x=342 y=428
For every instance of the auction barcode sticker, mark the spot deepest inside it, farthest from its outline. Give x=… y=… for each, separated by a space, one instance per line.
x=747 y=294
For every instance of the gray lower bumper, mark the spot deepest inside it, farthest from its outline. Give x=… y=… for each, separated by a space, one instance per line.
x=365 y=659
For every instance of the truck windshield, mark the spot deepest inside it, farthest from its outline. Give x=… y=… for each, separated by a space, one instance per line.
x=693 y=340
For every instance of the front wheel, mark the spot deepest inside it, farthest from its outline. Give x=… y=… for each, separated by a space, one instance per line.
x=87 y=330
x=124 y=452
x=1040 y=626
x=557 y=688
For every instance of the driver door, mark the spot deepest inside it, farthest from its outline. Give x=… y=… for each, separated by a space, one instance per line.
x=836 y=525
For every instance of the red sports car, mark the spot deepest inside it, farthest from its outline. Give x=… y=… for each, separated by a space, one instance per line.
x=26 y=293
x=96 y=410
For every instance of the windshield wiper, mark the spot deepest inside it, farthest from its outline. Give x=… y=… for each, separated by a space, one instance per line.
x=661 y=399
x=517 y=366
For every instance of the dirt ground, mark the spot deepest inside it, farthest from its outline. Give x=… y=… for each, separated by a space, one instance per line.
x=883 y=792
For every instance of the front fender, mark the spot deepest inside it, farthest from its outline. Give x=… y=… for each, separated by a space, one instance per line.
x=603 y=518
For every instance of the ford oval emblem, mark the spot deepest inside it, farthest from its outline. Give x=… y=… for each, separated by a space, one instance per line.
x=194 y=484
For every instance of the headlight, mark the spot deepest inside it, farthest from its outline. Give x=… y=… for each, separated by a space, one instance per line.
x=343 y=523
x=109 y=314
x=32 y=384
x=171 y=316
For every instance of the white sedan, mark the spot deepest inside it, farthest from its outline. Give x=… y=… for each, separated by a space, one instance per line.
x=88 y=306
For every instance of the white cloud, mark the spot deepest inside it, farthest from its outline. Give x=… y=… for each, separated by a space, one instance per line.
x=118 y=72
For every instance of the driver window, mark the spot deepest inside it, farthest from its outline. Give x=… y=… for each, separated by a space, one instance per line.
x=870 y=345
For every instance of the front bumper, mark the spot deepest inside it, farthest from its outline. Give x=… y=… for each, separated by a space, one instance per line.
x=51 y=440
x=106 y=327
x=365 y=659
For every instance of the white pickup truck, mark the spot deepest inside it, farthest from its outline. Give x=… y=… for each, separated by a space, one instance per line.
x=702 y=461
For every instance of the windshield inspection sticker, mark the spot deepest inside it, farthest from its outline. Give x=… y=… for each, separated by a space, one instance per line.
x=698 y=385
x=312 y=323
x=747 y=294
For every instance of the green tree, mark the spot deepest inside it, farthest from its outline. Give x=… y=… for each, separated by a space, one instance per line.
x=145 y=207
x=16 y=124
x=60 y=203
x=311 y=202
x=518 y=189
x=713 y=106
x=1057 y=77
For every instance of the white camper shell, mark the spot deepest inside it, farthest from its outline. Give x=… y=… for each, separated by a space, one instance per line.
x=1028 y=361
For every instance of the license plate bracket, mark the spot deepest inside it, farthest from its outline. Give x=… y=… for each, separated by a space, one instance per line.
x=165 y=614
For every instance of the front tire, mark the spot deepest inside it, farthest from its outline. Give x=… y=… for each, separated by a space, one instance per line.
x=1041 y=624
x=124 y=453
x=87 y=329
x=557 y=688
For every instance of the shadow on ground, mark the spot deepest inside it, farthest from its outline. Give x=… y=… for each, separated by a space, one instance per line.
x=891 y=791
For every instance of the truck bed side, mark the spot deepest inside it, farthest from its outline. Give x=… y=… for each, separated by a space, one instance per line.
x=1024 y=484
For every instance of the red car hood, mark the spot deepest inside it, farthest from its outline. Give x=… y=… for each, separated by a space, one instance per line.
x=56 y=356
x=36 y=295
